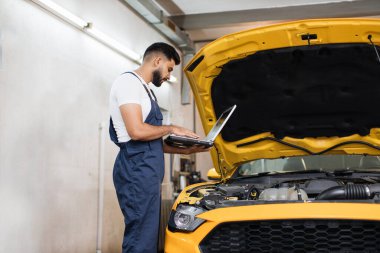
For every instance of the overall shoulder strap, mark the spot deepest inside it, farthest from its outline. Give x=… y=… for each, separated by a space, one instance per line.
x=146 y=89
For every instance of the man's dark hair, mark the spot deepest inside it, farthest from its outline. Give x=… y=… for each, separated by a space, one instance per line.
x=165 y=49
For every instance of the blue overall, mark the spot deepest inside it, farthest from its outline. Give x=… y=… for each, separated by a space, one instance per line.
x=137 y=174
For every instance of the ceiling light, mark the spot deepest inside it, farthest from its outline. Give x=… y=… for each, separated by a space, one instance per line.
x=172 y=79
x=115 y=45
x=62 y=13
x=88 y=28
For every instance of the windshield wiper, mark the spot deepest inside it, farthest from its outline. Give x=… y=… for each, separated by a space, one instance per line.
x=271 y=173
x=254 y=175
x=331 y=173
x=351 y=171
x=370 y=179
x=327 y=172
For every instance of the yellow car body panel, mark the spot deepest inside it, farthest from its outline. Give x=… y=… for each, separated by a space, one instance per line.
x=177 y=242
x=242 y=44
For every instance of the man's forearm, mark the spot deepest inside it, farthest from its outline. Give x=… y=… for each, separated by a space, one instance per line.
x=138 y=130
x=147 y=132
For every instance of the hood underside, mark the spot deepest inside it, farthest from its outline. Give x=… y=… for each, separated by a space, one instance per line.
x=313 y=84
x=306 y=91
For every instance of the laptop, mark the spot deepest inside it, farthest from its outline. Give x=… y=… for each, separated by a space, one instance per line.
x=184 y=142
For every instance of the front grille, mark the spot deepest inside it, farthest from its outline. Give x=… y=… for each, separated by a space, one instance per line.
x=294 y=236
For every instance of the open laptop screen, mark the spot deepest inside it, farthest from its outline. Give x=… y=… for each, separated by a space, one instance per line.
x=220 y=123
x=184 y=142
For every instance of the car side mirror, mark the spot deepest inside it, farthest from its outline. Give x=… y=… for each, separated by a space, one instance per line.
x=213 y=175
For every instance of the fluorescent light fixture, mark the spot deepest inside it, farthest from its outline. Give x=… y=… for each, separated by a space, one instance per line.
x=172 y=79
x=88 y=28
x=61 y=13
x=115 y=45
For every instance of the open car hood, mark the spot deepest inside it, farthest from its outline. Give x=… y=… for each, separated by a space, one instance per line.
x=300 y=88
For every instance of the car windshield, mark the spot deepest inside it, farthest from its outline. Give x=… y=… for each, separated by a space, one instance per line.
x=304 y=163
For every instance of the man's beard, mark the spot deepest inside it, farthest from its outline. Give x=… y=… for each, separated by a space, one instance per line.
x=157 y=78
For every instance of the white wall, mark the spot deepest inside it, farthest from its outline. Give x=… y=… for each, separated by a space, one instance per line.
x=54 y=85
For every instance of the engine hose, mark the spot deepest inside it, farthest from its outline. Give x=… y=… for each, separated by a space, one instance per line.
x=350 y=191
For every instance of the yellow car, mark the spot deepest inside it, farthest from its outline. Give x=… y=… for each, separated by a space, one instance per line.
x=299 y=160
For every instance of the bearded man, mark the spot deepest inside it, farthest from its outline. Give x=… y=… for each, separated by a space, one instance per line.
x=136 y=128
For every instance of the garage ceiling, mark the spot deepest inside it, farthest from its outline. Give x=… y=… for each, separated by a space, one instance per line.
x=203 y=21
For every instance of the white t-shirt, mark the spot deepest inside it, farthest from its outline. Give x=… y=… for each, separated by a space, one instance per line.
x=127 y=89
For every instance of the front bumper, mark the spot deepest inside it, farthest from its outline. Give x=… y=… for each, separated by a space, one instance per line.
x=177 y=242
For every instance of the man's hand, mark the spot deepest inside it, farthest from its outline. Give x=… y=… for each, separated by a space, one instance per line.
x=183 y=132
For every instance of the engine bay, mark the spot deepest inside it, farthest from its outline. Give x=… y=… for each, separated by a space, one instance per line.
x=266 y=190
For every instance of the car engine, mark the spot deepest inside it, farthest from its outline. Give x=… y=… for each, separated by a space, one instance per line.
x=300 y=190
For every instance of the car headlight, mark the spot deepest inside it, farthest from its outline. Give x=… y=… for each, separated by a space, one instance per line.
x=183 y=219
